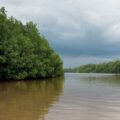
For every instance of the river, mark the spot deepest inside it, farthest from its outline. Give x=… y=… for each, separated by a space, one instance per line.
x=74 y=97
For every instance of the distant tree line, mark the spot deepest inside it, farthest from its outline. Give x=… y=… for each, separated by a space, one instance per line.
x=109 y=67
x=24 y=52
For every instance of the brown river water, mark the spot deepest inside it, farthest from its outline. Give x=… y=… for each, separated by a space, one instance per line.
x=74 y=97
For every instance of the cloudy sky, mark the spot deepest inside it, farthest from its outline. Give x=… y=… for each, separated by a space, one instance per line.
x=81 y=31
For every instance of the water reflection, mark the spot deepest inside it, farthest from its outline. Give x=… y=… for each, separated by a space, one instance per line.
x=28 y=100
x=88 y=97
x=83 y=97
x=104 y=79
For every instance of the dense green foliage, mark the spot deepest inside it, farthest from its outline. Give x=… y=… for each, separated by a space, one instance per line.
x=110 y=67
x=24 y=53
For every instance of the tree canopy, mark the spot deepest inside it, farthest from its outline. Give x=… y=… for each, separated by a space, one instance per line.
x=24 y=52
x=109 y=67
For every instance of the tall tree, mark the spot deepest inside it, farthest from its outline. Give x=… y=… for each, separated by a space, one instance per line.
x=24 y=52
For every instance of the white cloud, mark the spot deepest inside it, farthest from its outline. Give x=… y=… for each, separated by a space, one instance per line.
x=113 y=33
x=67 y=13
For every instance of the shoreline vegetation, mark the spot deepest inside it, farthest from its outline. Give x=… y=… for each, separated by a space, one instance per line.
x=24 y=52
x=107 y=67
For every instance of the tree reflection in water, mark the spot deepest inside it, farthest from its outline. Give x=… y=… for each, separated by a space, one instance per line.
x=28 y=100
